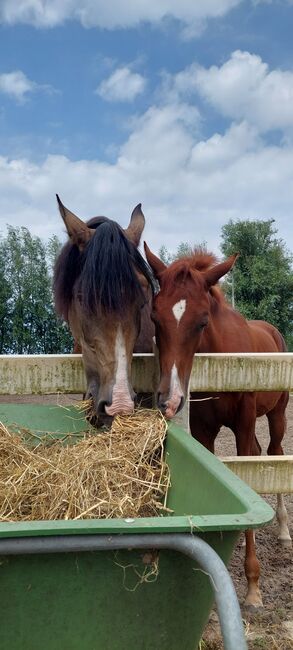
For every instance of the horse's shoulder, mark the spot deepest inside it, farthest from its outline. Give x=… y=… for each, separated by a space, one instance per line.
x=267 y=337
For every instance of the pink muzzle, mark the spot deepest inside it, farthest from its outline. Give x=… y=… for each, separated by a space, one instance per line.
x=172 y=406
x=122 y=404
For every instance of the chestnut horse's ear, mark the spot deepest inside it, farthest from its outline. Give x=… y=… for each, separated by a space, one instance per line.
x=136 y=225
x=155 y=263
x=213 y=275
x=77 y=230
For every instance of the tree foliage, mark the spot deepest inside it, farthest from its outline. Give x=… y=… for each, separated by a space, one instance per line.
x=262 y=275
x=183 y=249
x=28 y=323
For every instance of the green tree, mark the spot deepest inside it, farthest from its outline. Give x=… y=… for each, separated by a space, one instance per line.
x=52 y=251
x=59 y=339
x=5 y=304
x=165 y=255
x=262 y=277
x=28 y=321
x=183 y=249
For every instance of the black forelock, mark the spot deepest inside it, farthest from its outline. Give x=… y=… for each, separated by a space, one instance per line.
x=104 y=275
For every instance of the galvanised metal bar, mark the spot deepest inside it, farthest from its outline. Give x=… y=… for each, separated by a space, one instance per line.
x=190 y=545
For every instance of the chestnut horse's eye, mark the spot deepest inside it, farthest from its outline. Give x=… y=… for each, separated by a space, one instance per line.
x=203 y=324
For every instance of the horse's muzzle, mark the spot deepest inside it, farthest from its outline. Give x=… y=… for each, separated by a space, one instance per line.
x=120 y=408
x=168 y=407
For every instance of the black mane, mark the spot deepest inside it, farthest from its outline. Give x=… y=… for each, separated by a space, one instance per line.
x=103 y=276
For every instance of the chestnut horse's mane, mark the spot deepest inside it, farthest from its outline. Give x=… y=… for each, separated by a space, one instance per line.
x=187 y=267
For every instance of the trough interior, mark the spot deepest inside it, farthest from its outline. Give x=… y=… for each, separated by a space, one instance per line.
x=203 y=492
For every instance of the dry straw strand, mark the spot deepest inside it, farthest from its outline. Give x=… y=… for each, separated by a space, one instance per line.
x=118 y=473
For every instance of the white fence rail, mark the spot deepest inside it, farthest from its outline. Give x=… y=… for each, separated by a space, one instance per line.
x=48 y=374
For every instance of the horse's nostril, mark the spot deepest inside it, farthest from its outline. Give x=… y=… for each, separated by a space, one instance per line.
x=101 y=406
x=161 y=403
x=180 y=405
x=164 y=404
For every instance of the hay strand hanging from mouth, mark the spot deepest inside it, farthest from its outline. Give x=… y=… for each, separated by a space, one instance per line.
x=121 y=473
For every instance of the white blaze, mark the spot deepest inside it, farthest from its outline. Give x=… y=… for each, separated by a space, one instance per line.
x=175 y=382
x=178 y=310
x=121 y=359
x=121 y=399
x=176 y=393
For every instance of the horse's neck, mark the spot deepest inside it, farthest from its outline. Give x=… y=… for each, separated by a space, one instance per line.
x=144 y=342
x=227 y=330
x=210 y=342
x=212 y=336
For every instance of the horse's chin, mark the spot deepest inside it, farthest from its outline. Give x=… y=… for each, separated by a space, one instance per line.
x=100 y=420
x=173 y=407
x=170 y=413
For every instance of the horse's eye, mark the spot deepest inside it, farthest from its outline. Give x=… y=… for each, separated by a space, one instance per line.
x=203 y=324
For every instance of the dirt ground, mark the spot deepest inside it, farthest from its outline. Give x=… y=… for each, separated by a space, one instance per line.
x=272 y=627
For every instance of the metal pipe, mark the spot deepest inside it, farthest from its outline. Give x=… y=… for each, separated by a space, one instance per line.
x=192 y=546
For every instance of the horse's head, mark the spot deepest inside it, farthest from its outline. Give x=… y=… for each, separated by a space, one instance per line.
x=182 y=317
x=101 y=284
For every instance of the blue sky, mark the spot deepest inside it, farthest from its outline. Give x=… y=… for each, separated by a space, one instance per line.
x=186 y=107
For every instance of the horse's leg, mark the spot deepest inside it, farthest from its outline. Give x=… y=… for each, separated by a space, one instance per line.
x=252 y=572
x=244 y=426
x=202 y=429
x=284 y=536
x=277 y=426
x=247 y=445
x=244 y=539
x=207 y=440
x=256 y=451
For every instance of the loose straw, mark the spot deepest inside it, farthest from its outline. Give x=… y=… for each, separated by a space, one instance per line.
x=119 y=473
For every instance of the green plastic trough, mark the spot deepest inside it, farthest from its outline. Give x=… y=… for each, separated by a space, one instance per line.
x=59 y=594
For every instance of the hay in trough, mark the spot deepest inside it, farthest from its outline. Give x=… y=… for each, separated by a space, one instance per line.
x=120 y=473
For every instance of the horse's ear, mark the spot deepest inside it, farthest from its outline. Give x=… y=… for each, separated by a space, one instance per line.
x=78 y=231
x=136 y=225
x=213 y=275
x=155 y=263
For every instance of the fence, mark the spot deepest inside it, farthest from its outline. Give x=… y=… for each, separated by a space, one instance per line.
x=48 y=374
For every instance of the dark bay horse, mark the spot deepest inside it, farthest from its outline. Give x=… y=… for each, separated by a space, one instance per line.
x=191 y=315
x=103 y=289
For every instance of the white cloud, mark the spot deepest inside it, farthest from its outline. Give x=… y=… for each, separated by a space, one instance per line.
x=17 y=85
x=189 y=187
x=39 y=13
x=114 y=14
x=160 y=142
x=122 y=86
x=242 y=88
x=219 y=151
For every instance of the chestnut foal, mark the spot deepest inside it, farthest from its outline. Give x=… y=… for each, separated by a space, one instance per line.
x=191 y=315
